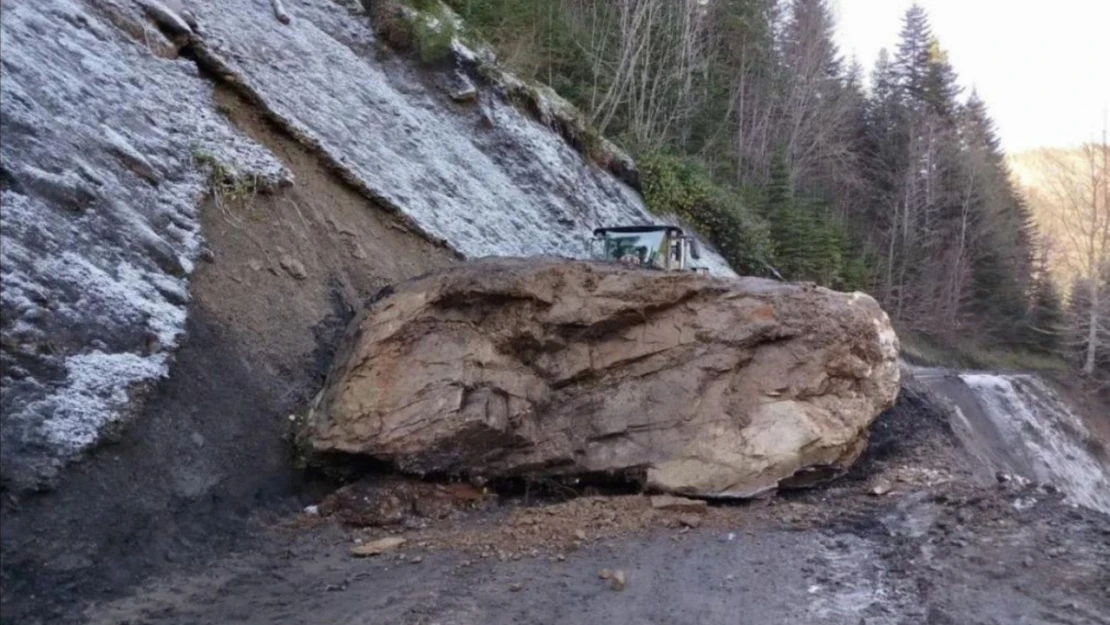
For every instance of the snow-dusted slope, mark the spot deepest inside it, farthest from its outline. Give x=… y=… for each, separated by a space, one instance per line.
x=102 y=127
x=100 y=222
x=1035 y=423
x=494 y=183
x=1015 y=424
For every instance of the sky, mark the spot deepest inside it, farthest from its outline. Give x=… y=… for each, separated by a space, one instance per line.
x=1042 y=66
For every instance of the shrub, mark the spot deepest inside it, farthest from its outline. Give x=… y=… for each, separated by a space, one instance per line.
x=426 y=26
x=433 y=32
x=225 y=184
x=673 y=186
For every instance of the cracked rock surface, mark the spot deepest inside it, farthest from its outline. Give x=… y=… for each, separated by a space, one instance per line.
x=528 y=366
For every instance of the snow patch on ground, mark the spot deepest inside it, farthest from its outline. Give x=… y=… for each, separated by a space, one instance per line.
x=1030 y=416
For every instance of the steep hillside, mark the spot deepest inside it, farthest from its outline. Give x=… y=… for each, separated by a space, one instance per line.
x=106 y=193
x=193 y=205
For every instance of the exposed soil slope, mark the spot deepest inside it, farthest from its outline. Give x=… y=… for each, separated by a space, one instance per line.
x=285 y=272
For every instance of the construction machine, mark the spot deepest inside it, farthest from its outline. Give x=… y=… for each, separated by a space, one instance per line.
x=662 y=247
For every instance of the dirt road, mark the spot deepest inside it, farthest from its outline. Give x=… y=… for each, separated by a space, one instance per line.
x=919 y=557
x=939 y=546
x=912 y=536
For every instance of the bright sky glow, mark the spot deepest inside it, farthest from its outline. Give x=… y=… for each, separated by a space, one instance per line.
x=1042 y=66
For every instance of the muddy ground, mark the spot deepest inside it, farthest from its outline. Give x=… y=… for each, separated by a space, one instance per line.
x=942 y=546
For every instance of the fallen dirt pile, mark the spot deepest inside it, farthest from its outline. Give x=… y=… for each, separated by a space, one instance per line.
x=697 y=385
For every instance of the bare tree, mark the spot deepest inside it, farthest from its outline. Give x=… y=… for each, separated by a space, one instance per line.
x=1078 y=184
x=646 y=57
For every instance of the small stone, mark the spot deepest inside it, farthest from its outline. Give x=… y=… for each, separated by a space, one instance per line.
x=880 y=488
x=255 y=264
x=617 y=582
x=580 y=534
x=378 y=547
x=690 y=520
x=293 y=267
x=190 y=19
x=678 y=504
x=1028 y=561
x=561 y=558
x=460 y=88
x=604 y=573
x=516 y=587
x=416 y=560
x=167 y=18
x=467 y=93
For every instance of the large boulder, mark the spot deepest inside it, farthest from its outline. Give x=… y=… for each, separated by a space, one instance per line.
x=705 y=386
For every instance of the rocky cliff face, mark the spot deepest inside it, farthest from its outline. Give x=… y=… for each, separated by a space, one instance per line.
x=112 y=137
x=709 y=387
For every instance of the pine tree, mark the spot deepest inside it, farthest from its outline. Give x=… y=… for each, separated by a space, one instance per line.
x=780 y=188
x=827 y=260
x=940 y=89
x=781 y=211
x=1004 y=264
x=911 y=62
x=1046 y=316
x=1075 y=335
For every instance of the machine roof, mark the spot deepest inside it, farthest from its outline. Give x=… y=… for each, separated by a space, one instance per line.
x=636 y=229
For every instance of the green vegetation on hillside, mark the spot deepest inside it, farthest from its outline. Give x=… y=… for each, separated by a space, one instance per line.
x=747 y=124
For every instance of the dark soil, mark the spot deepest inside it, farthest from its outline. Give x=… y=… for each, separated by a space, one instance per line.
x=938 y=548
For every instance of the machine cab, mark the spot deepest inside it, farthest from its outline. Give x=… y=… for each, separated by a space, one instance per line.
x=650 y=246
